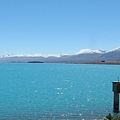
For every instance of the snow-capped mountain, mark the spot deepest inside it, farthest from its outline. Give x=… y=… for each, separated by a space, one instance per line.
x=90 y=51
x=112 y=55
x=83 y=56
x=115 y=50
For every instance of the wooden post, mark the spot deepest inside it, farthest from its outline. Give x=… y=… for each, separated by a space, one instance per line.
x=116 y=90
x=116 y=102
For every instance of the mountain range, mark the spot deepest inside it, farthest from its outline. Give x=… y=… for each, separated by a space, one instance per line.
x=83 y=56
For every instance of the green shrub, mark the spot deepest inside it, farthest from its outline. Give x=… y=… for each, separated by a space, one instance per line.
x=110 y=117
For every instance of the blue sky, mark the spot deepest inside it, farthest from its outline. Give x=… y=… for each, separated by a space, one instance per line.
x=58 y=26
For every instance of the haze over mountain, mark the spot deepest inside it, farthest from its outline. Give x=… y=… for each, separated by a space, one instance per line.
x=83 y=56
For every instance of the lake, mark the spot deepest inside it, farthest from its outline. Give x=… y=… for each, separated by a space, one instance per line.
x=34 y=91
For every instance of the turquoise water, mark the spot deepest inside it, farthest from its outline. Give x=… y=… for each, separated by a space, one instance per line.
x=56 y=91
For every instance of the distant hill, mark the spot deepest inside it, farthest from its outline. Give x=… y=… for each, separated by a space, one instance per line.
x=83 y=56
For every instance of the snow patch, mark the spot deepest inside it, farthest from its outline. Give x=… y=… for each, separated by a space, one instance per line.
x=30 y=55
x=90 y=51
x=116 y=49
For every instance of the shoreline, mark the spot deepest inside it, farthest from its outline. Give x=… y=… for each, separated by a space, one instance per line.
x=104 y=63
